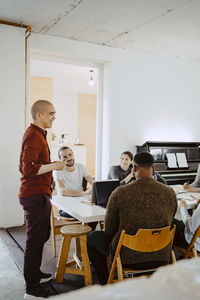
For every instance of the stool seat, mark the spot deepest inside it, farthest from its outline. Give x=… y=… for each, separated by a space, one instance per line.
x=75 y=229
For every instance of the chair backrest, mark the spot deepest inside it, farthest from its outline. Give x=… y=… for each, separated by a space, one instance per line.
x=145 y=240
x=196 y=235
x=191 y=245
x=148 y=240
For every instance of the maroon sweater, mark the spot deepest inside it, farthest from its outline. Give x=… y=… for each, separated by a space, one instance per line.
x=34 y=153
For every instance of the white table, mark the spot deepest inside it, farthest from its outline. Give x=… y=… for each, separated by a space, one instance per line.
x=77 y=208
x=189 y=198
x=85 y=213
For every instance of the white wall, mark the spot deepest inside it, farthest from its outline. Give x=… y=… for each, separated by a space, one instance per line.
x=157 y=100
x=144 y=98
x=12 y=78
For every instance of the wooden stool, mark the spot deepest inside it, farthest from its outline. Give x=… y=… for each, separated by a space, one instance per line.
x=83 y=267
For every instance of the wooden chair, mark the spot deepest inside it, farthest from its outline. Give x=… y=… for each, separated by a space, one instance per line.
x=145 y=240
x=190 y=251
x=56 y=223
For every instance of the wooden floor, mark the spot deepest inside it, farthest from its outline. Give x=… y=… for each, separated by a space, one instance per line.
x=14 y=238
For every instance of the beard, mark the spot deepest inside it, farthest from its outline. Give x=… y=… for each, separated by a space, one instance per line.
x=70 y=163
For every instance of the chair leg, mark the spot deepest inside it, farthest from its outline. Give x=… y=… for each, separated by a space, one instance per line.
x=62 y=260
x=101 y=225
x=173 y=257
x=119 y=269
x=194 y=252
x=112 y=271
x=189 y=252
x=85 y=260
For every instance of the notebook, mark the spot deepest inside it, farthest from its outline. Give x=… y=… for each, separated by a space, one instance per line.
x=101 y=191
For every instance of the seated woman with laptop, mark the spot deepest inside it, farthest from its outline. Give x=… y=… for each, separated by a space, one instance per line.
x=124 y=171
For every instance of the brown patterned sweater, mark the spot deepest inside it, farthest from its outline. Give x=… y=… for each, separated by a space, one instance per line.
x=144 y=203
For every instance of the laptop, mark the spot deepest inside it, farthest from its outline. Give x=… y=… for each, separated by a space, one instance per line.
x=101 y=191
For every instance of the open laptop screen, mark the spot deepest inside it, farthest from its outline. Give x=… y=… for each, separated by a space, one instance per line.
x=101 y=191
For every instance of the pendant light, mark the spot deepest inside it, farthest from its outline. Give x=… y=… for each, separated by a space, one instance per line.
x=91 y=82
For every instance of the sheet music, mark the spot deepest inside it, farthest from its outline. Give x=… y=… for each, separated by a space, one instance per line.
x=182 y=161
x=171 y=160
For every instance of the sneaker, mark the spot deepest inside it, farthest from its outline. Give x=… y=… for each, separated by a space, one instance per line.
x=40 y=292
x=45 y=277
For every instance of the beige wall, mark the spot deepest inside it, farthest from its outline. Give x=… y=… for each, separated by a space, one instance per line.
x=41 y=88
x=87 y=127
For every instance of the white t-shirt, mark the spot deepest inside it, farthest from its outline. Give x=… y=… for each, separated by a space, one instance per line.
x=72 y=180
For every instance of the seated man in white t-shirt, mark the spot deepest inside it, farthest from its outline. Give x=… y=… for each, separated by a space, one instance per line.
x=69 y=180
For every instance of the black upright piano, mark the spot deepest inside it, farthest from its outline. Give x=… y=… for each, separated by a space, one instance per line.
x=176 y=175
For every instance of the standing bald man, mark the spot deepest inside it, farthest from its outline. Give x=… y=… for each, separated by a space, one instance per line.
x=34 y=195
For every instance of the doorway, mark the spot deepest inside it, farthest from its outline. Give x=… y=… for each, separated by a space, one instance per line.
x=66 y=86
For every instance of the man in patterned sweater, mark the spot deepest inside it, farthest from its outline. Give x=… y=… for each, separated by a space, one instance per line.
x=145 y=203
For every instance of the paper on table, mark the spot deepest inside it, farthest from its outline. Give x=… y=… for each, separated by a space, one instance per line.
x=87 y=202
x=182 y=161
x=178 y=188
x=185 y=196
x=171 y=160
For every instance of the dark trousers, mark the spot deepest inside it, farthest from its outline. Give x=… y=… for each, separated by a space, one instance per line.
x=98 y=243
x=37 y=210
x=179 y=238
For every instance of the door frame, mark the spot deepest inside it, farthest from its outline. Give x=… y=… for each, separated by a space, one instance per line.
x=99 y=113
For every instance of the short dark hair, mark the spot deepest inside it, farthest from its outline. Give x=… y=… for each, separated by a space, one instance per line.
x=62 y=149
x=130 y=155
x=39 y=106
x=143 y=159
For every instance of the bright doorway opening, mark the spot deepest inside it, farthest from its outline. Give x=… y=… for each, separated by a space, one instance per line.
x=66 y=86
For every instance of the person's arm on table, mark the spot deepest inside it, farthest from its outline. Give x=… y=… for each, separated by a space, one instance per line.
x=191 y=222
x=64 y=191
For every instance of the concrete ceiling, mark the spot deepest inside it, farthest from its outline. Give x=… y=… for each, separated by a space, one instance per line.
x=169 y=28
